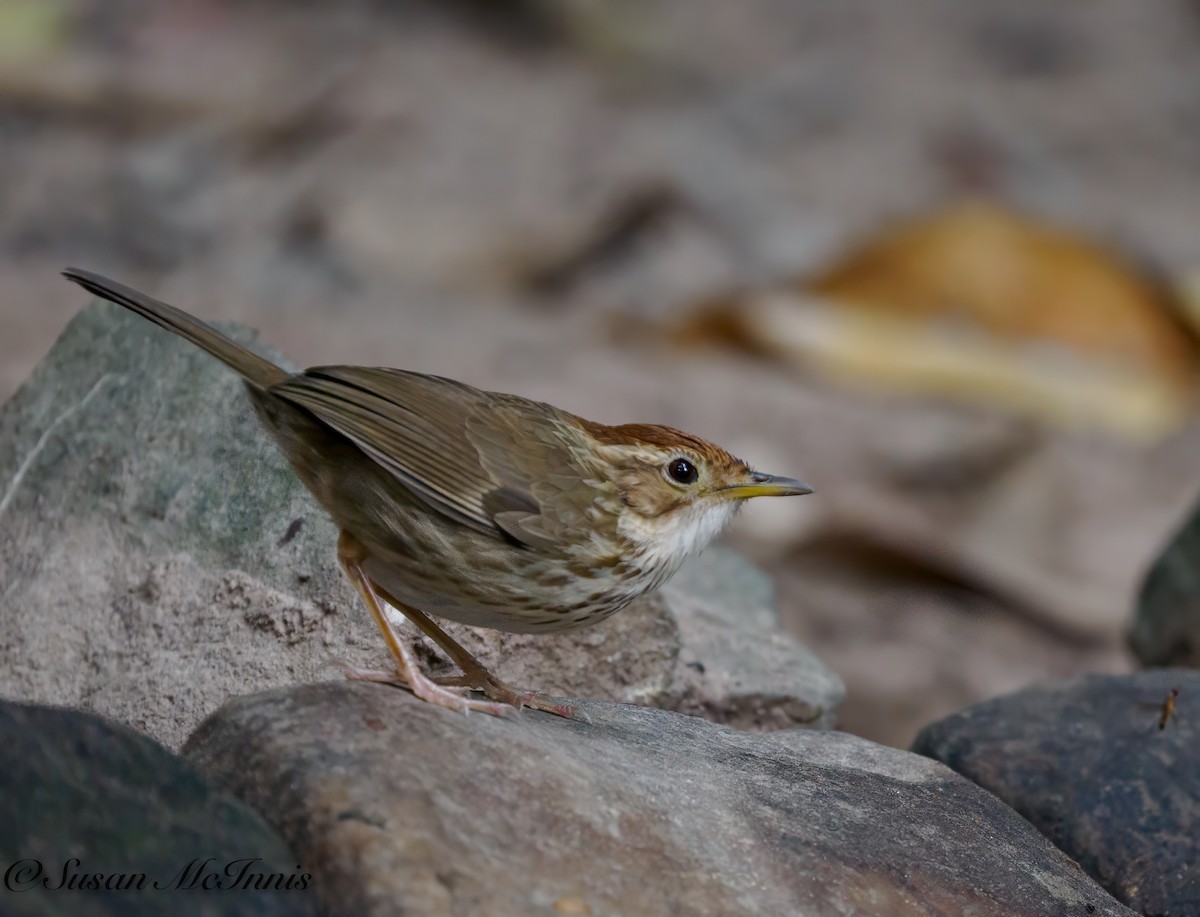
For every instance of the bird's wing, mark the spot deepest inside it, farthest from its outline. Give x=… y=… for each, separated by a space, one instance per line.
x=500 y=464
x=539 y=452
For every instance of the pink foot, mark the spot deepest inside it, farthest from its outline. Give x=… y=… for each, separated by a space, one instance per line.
x=428 y=690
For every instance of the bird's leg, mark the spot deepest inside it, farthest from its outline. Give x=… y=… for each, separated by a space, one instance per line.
x=352 y=554
x=474 y=675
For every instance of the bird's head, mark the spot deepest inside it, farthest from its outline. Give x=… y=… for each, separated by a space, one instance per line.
x=678 y=491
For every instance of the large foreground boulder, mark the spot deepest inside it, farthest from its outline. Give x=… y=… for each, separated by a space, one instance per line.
x=157 y=556
x=399 y=807
x=1093 y=763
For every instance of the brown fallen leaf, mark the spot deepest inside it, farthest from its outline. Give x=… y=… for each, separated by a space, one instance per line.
x=977 y=303
x=1015 y=278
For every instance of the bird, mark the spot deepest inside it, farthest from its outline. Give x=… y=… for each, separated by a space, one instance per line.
x=478 y=507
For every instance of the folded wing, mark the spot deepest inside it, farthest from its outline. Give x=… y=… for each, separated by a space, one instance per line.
x=503 y=465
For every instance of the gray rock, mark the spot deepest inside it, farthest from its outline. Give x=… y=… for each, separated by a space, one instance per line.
x=1167 y=628
x=1086 y=762
x=101 y=820
x=157 y=556
x=400 y=807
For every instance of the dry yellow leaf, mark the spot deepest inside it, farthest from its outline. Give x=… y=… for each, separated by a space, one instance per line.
x=975 y=302
x=1017 y=279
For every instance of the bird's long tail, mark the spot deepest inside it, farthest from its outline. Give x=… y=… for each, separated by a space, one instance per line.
x=257 y=370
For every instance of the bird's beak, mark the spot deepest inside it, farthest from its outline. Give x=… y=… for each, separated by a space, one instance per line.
x=765 y=485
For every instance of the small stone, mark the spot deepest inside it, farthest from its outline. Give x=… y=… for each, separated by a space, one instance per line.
x=1167 y=628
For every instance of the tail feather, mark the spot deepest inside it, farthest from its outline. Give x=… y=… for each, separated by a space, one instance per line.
x=255 y=369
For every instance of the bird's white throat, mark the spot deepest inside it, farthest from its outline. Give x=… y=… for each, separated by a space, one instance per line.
x=664 y=542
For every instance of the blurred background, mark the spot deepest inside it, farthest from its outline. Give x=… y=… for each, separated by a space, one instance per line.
x=938 y=259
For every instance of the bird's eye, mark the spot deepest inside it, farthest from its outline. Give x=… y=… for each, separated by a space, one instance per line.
x=683 y=471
